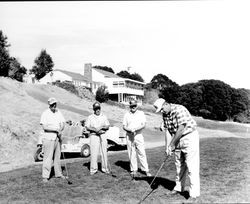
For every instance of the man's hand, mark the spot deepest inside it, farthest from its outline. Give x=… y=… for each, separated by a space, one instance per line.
x=162 y=128
x=59 y=135
x=169 y=150
x=100 y=132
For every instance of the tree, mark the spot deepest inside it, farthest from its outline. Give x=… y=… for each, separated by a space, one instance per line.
x=43 y=65
x=239 y=102
x=216 y=99
x=171 y=94
x=161 y=81
x=124 y=74
x=16 y=71
x=108 y=69
x=134 y=76
x=191 y=97
x=4 y=56
x=102 y=94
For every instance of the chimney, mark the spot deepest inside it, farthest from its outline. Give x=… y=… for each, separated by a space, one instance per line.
x=88 y=73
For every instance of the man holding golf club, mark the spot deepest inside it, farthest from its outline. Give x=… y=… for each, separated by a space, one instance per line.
x=97 y=124
x=182 y=138
x=53 y=124
x=134 y=122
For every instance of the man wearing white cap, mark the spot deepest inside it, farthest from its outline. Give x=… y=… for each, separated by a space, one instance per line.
x=134 y=122
x=97 y=124
x=184 y=141
x=53 y=124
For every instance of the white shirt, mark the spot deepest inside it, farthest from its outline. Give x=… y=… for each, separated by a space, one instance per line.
x=134 y=120
x=52 y=119
x=97 y=121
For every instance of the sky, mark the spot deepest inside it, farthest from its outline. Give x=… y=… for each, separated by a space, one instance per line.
x=187 y=41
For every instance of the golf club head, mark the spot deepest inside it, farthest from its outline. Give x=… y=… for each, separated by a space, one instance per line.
x=70 y=183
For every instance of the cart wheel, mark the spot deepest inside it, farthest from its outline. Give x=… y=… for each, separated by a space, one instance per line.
x=85 y=150
x=38 y=156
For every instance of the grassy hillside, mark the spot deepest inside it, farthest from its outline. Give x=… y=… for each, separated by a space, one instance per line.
x=21 y=106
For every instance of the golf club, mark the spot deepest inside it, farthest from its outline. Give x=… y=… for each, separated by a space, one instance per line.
x=67 y=175
x=130 y=156
x=107 y=160
x=143 y=198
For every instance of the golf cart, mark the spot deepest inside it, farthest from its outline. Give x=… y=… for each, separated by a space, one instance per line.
x=75 y=139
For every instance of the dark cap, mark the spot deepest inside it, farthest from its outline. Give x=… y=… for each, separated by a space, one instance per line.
x=96 y=105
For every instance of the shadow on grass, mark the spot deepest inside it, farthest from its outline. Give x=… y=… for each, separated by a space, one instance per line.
x=71 y=155
x=117 y=148
x=123 y=164
x=159 y=181
x=87 y=164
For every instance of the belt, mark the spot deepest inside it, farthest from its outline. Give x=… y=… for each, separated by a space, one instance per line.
x=192 y=130
x=50 y=131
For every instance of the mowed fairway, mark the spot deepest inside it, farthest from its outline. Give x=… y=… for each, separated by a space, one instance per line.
x=225 y=178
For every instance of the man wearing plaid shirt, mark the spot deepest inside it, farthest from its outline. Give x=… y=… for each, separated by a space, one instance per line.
x=182 y=138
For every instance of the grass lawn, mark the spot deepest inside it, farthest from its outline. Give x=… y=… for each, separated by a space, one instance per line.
x=225 y=178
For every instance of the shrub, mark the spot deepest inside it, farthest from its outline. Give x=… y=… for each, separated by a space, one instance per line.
x=66 y=85
x=102 y=94
x=150 y=96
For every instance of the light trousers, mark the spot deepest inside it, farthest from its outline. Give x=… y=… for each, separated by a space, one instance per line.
x=187 y=162
x=98 y=145
x=52 y=154
x=135 y=145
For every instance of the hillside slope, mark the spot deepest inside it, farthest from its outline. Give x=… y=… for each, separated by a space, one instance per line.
x=21 y=106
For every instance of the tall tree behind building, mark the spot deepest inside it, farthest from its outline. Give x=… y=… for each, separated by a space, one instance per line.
x=4 y=55
x=105 y=68
x=134 y=76
x=16 y=71
x=43 y=65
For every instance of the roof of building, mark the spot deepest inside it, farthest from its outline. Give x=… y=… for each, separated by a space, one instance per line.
x=111 y=75
x=106 y=73
x=75 y=76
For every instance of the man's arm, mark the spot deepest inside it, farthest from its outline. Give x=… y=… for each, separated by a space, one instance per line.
x=126 y=129
x=176 y=137
x=92 y=129
x=62 y=126
x=51 y=128
x=167 y=142
x=142 y=124
x=105 y=127
x=125 y=124
x=140 y=127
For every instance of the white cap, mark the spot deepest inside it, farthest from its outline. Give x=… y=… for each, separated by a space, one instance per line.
x=51 y=101
x=158 y=104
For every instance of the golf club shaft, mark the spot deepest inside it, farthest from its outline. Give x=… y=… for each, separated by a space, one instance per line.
x=108 y=164
x=67 y=175
x=142 y=198
x=130 y=156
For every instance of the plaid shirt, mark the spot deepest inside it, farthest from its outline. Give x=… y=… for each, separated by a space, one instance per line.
x=178 y=115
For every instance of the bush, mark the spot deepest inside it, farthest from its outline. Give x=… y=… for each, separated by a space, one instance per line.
x=67 y=85
x=102 y=94
x=150 y=96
